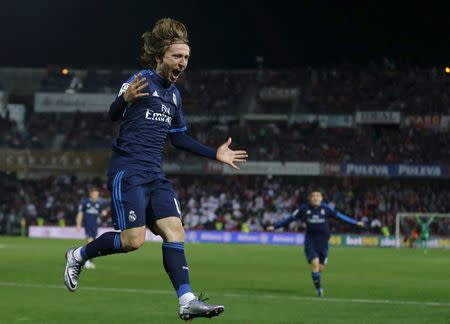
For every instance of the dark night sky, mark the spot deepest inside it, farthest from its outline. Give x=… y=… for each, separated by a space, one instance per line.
x=226 y=34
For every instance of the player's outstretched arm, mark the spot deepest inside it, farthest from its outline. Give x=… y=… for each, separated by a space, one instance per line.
x=230 y=157
x=283 y=222
x=184 y=142
x=418 y=221
x=224 y=154
x=349 y=219
x=431 y=220
x=128 y=94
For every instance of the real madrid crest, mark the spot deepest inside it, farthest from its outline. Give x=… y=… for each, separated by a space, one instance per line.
x=132 y=216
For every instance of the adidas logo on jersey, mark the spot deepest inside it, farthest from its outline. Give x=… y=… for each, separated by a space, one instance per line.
x=155 y=94
x=174 y=97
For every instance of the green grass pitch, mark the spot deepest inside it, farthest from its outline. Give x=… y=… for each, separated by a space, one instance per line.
x=257 y=284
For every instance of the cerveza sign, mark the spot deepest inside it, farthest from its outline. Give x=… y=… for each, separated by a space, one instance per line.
x=66 y=102
x=394 y=170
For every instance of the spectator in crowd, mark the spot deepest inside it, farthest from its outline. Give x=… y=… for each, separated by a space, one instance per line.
x=239 y=203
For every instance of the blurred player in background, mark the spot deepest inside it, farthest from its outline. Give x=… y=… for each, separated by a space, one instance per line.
x=410 y=240
x=89 y=211
x=149 y=108
x=315 y=214
x=423 y=227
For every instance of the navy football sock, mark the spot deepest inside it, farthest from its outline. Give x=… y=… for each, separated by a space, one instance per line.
x=316 y=279
x=107 y=243
x=176 y=266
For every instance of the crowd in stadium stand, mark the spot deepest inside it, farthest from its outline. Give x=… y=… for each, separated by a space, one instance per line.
x=236 y=203
x=212 y=93
x=258 y=201
x=205 y=92
x=53 y=200
x=58 y=131
x=9 y=135
x=264 y=141
x=378 y=88
x=375 y=87
x=217 y=93
x=331 y=90
x=310 y=142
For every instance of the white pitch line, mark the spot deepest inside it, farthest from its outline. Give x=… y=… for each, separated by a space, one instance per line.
x=236 y=295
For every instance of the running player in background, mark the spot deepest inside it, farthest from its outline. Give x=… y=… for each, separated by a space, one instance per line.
x=423 y=227
x=315 y=214
x=141 y=195
x=89 y=211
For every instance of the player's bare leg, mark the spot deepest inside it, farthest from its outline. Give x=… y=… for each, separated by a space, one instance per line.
x=315 y=265
x=170 y=228
x=172 y=231
x=132 y=238
x=315 y=273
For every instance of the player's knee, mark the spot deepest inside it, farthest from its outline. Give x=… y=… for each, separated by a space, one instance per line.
x=132 y=239
x=176 y=235
x=171 y=229
x=315 y=265
x=173 y=236
x=133 y=244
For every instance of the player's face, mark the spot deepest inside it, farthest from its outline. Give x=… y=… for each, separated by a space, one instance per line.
x=174 y=62
x=315 y=198
x=93 y=195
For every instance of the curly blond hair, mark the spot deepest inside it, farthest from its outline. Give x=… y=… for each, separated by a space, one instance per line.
x=165 y=32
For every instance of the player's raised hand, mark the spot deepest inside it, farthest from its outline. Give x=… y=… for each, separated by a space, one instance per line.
x=361 y=224
x=230 y=157
x=134 y=90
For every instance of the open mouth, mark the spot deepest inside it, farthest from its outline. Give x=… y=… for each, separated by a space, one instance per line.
x=176 y=73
